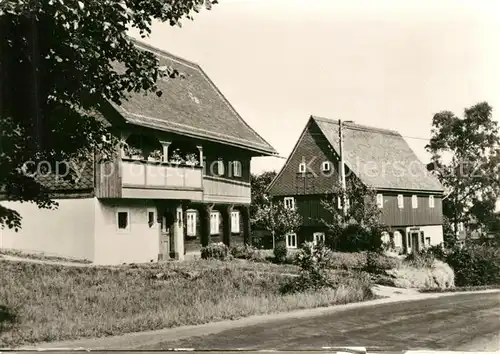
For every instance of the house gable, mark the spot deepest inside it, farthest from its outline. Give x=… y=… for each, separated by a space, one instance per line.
x=313 y=149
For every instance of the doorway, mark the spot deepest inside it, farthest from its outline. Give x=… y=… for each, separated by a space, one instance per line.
x=415 y=245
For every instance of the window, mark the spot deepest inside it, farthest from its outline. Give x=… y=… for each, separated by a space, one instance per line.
x=380 y=201
x=302 y=167
x=191 y=223
x=318 y=237
x=401 y=201
x=214 y=223
x=122 y=220
x=235 y=222
x=460 y=227
x=291 y=240
x=289 y=203
x=339 y=202
x=431 y=201
x=326 y=166
x=220 y=167
x=236 y=168
x=414 y=201
x=151 y=217
x=427 y=241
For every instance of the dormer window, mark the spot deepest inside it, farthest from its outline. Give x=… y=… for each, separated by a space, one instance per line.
x=326 y=166
x=302 y=167
x=401 y=204
x=414 y=201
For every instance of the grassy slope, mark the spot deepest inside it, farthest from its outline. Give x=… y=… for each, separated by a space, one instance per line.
x=48 y=303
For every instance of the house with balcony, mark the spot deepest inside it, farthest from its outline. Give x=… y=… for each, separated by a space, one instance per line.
x=407 y=194
x=179 y=180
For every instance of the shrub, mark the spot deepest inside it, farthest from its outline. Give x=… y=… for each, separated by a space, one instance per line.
x=437 y=251
x=378 y=263
x=475 y=265
x=420 y=260
x=215 y=251
x=280 y=252
x=247 y=252
x=346 y=260
x=440 y=275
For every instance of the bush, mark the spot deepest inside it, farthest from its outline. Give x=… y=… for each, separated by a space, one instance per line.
x=420 y=260
x=280 y=252
x=437 y=252
x=217 y=251
x=377 y=263
x=475 y=265
x=247 y=252
x=346 y=260
x=440 y=275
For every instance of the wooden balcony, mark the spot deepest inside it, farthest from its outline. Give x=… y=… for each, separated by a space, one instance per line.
x=220 y=190
x=138 y=179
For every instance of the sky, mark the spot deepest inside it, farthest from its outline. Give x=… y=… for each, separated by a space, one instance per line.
x=389 y=64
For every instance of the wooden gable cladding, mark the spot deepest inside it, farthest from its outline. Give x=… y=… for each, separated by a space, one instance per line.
x=312 y=149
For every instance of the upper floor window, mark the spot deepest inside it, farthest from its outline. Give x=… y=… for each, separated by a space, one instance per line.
x=380 y=201
x=302 y=167
x=414 y=201
x=431 y=201
x=237 y=168
x=289 y=203
x=401 y=201
x=220 y=167
x=326 y=166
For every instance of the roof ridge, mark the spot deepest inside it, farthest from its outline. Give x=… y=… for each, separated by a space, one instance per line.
x=355 y=126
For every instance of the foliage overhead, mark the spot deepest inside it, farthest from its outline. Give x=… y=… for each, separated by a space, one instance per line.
x=277 y=219
x=259 y=184
x=61 y=63
x=466 y=159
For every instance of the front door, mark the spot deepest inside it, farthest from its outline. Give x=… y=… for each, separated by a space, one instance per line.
x=164 y=239
x=415 y=242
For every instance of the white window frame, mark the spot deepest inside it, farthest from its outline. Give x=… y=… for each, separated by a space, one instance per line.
x=123 y=210
x=302 y=167
x=401 y=201
x=214 y=223
x=380 y=200
x=326 y=166
x=292 y=202
x=191 y=223
x=220 y=168
x=155 y=221
x=318 y=237
x=414 y=201
x=237 y=169
x=235 y=222
x=431 y=201
x=339 y=202
x=291 y=236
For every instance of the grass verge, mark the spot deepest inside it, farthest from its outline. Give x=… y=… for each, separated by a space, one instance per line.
x=43 y=303
x=460 y=288
x=40 y=256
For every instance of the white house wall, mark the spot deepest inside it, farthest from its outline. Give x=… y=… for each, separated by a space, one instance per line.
x=138 y=244
x=67 y=231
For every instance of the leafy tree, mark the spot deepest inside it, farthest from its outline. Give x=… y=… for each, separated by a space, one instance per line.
x=278 y=220
x=465 y=158
x=360 y=228
x=61 y=62
x=259 y=184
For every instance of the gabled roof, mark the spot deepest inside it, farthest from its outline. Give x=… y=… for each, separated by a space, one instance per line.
x=380 y=158
x=191 y=105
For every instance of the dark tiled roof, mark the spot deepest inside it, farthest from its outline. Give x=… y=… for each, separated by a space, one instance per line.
x=191 y=105
x=380 y=158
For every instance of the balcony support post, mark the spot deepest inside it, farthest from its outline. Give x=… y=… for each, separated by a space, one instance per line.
x=165 y=145
x=226 y=224
x=205 y=211
x=247 y=234
x=200 y=149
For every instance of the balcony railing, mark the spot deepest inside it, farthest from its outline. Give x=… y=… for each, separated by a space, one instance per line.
x=160 y=175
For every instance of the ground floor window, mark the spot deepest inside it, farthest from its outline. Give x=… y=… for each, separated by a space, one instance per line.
x=214 y=223
x=191 y=223
x=427 y=241
x=318 y=237
x=123 y=220
x=291 y=240
x=235 y=222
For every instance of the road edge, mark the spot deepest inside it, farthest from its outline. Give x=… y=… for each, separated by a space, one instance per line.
x=141 y=339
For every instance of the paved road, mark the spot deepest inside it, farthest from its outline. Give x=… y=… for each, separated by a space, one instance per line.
x=469 y=322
